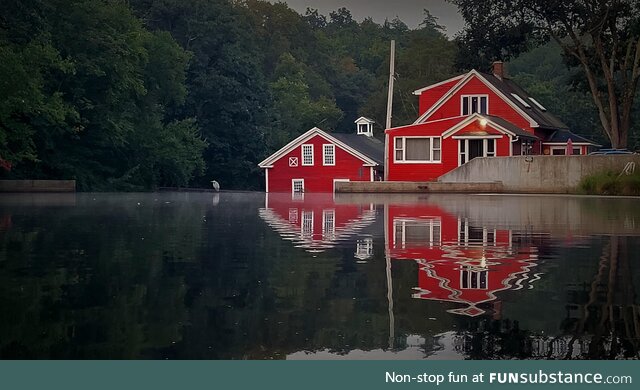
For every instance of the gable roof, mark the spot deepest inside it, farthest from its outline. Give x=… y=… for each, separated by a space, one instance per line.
x=268 y=162
x=364 y=119
x=369 y=146
x=562 y=136
x=495 y=122
x=507 y=86
x=503 y=87
x=419 y=91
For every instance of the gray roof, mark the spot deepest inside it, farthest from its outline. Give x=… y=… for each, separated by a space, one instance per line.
x=543 y=117
x=510 y=126
x=563 y=136
x=369 y=146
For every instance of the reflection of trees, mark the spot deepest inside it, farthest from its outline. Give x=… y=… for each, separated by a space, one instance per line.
x=602 y=320
x=83 y=283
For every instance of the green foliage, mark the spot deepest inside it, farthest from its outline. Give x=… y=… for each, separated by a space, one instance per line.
x=146 y=93
x=611 y=183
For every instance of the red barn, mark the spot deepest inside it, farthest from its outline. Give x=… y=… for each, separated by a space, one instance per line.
x=316 y=222
x=474 y=115
x=314 y=161
x=458 y=262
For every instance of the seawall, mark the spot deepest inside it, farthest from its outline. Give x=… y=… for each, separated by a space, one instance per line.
x=537 y=174
x=37 y=185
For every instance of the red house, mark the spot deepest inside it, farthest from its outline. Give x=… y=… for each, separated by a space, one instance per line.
x=474 y=115
x=459 y=263
x=315 y=222
x=316 y=160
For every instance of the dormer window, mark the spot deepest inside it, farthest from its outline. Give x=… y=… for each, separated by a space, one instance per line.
x=364 y=126
x=470 y=104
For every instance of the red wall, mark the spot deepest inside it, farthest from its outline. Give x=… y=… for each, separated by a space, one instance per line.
x=429 y=97
x=449 y=154
x=497 y=106
x=317 y=178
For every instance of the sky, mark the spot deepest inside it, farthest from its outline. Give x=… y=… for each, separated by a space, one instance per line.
x=409 y=11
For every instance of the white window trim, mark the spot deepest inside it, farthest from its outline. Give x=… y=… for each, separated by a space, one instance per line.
x=324 y=154
x=552 y=148
x=329 y=234
x=484 y=147
x=404 y=150
x=469 y=104
x=473 y=273
x=430 y=222
x=293 y=192
x=305 y=215
x=302 y=154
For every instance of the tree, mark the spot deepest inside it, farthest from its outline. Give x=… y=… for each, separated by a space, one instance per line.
x=601 y=37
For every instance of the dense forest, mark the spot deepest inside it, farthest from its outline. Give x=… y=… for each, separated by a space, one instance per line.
x=133 y=95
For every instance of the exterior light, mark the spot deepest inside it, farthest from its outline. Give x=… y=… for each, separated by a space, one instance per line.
x=483 y=122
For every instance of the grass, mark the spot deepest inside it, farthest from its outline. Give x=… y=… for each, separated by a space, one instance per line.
x=611 y=183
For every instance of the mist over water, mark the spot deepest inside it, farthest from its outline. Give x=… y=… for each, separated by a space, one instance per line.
x=255 y=276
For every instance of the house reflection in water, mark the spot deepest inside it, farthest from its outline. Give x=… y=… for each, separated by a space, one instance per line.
x=315 y=222
x=458 y=262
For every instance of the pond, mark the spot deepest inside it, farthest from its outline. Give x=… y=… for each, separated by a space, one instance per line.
x=255 y=276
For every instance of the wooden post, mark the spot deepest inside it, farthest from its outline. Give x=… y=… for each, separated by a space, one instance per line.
x=389 y=108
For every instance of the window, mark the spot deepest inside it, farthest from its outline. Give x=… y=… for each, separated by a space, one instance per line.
x=363 y=128
x=521 y=100
x=328 y=225
x=297 y=186
x=293 y=215
x=307 y=223
x=473 y=278
x=416 y=233
x=328 y=154
x=418 y=149
x=364 y=248
x=307 y=155
x=537 y=103
x=470 y=148
x=474 y=103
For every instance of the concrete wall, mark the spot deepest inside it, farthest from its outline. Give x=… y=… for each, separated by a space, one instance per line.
x=37 y=185
x=537 y=174
x=390 y=187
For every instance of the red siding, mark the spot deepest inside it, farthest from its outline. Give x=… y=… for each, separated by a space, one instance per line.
x=429 y=97
x=317 y=178
x=449 y=154
x=497 y=106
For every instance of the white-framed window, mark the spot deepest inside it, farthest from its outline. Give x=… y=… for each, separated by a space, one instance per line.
x=328 y=224
x=562 y=150
x=470 y=148
x=307 y=154
x=328 y=154
x=408 y=233
x=293 y=215
x=363 y=128
x=307 y=223
x=418 y=149
x=297 y=186
x=470 y=104
x=473 y=278
x=364 y=248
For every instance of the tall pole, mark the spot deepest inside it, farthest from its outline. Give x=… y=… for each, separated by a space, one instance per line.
x=389 y=107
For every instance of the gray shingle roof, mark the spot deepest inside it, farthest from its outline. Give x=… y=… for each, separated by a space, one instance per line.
x=511 y=127
x=369 y=146
x=543 y=117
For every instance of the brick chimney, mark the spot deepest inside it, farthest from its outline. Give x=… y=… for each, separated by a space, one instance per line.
x=497 y=68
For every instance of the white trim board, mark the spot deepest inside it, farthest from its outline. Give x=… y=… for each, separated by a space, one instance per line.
x=268 y=162
x=459 y=86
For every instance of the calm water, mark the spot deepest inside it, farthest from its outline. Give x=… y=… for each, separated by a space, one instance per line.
x=245 y=276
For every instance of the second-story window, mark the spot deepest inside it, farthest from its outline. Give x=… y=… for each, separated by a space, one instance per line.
x=474 y=103
x=329 y=154
x=307 y=154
